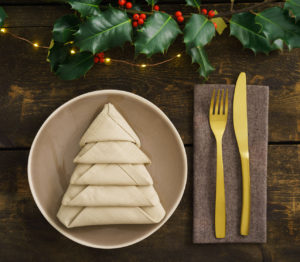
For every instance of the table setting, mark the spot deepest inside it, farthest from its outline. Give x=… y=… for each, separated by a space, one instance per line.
x=161 y=132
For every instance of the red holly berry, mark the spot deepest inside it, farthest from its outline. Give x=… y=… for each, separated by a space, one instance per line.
x=134 y=23
x=128 y=5
x=136 y=17
x=100 y=55
x=156 y=8
x=143 y=16
x=215 y=24
x=204 y=11
x=96 y=59
x=180 y=19
x=178 y=13
x=102 y=60
x=211 y=13
x=141 y=21
x=122 y=2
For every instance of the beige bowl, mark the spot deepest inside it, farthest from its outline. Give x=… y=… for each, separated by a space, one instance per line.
x=51 y=157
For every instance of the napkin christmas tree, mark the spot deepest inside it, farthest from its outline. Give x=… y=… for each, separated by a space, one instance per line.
x=110 y=184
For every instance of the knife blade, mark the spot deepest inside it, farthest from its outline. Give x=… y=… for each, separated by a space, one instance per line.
x=240 y=123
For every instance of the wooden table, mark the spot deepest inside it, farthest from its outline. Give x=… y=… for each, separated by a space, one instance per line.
x=30 y=92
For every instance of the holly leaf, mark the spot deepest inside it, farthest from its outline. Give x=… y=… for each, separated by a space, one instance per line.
x=199 y=56
x=3 y=15
x=244 y=28
x=277 y=24
x=58 y=53
x=194 y=3
x=294 y=7
x=86 y=7
x=151 y=2
x=221 y=25
x=65 y=27
x=198 y=30
x=75 y=66
x=109 y=29
x=157 y=34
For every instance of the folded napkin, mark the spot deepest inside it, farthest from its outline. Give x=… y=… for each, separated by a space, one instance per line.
x=109 y=125
x=89 y=216
x=205 y=168
x=110 y=196
x=110 y=184
x=111 y=174
x=113 y=152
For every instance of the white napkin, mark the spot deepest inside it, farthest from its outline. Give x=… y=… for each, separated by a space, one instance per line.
x=111 y=174
x=109 y=125
x=110 y=196
x=111 y=153
x=88 y=216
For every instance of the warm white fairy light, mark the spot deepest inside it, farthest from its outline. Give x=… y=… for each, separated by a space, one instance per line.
x=143 y=65
x=107 y=61
x=3 y=30
x=35 y=44
x=72 y=51
x=179 y=55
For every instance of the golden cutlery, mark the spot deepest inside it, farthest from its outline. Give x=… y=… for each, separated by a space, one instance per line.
x=218 y=119
x=240 y=124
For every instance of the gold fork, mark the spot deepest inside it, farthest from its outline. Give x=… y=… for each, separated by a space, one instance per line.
x=218 y=119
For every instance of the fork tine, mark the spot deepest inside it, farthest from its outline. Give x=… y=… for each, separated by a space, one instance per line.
x=212 y=102
x=221 y=104
x=217 y=102
x=226 y=102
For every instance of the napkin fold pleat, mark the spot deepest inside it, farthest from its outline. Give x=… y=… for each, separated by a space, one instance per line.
x=111 y=174
x=205 y=168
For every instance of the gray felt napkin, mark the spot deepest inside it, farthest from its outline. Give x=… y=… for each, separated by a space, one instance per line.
x=205 y=168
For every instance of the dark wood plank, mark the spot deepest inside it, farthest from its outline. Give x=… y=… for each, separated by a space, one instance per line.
x=25 y=234
x=26 y=16
x=30 y=92
x=49 y=2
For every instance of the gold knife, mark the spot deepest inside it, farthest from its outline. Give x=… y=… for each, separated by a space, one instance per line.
x=240 y=123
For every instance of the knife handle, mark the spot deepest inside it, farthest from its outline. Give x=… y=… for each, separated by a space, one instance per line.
x=245 y=219
x=220 y=209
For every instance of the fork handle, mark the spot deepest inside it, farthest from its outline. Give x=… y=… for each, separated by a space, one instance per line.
x=220 y=210
x=245 y=218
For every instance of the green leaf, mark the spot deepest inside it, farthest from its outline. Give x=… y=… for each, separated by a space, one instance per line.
x=244 y=28
x=3 y=15
x=194 y=3
x=199 y=56
x=276 y=24
x=58 y=53
x=151 y=2
x=159 y=31
x=294 y=7
x=65 y=27
x=75 y=66
x=198 y=30
x=221 y=25
x=86 y=7
x=109 y=29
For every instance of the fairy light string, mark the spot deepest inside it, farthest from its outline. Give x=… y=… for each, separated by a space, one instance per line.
x=73 y=51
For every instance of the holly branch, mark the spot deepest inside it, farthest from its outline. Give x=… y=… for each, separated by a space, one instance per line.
x=80 y=40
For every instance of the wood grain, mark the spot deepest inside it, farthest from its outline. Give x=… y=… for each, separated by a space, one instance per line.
x=30 y=92
x=23 y=229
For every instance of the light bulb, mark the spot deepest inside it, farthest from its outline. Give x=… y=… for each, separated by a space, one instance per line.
x=107 y=61
x=72 y=51
x=3 y=30
x=179 y=55
x=143 y=65
x=35 y=44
